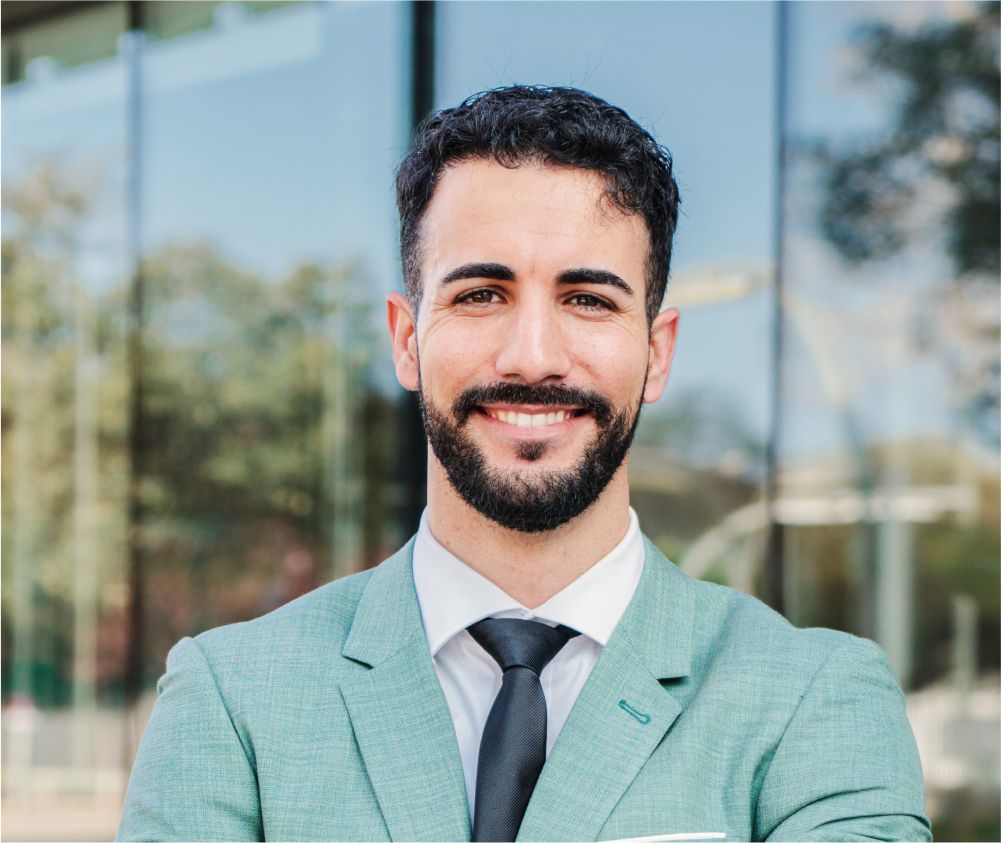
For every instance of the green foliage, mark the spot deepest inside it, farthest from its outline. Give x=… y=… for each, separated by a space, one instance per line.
x=957 y=560
x=253 y=391
x=944 y=132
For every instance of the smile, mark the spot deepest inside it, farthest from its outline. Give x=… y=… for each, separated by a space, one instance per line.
x=531 y=418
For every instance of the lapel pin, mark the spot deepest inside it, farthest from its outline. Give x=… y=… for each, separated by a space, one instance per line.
x=639 y=715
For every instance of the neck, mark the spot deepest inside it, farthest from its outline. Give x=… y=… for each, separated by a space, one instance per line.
x=531 y=567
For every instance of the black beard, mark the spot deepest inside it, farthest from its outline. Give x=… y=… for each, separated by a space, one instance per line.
x=548 y=499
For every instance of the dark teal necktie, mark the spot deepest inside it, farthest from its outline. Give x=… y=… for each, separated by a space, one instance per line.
x=513 y=746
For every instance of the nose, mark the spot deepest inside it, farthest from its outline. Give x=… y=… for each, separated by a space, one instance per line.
x=533 y=348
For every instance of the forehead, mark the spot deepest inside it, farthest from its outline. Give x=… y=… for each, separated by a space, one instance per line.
x=532 y=217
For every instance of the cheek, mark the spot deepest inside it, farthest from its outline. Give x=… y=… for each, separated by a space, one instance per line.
x=614 y=361
x=453 y=359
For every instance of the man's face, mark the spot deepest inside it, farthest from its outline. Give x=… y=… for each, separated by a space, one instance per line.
x=531 y=351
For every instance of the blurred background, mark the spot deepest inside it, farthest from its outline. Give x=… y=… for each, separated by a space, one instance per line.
x=200 y=418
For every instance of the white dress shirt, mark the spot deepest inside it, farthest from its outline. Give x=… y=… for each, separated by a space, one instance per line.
x=452 y=596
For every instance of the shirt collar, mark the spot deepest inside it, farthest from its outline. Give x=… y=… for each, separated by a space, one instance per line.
x=452 y=595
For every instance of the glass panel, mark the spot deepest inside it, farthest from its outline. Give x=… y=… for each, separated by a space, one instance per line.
x=269 y=245
x=262 y=440
x=890 y=454
x=697 y=468
x=66 y=269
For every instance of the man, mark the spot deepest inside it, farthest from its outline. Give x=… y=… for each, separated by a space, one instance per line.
x=528 y=665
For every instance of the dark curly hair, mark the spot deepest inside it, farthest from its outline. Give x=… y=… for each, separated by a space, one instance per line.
x=557 y=126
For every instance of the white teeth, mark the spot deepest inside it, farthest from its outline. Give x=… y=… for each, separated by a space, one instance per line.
x=530 y=419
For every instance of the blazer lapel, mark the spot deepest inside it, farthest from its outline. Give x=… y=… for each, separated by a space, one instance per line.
x=622 y=713
x=399 y=714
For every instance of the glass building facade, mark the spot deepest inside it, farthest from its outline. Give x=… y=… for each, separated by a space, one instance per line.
x=200 y=416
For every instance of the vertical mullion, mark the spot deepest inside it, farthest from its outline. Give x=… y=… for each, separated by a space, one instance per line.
x=422 y=72
x=775 y=561
x=136 y=322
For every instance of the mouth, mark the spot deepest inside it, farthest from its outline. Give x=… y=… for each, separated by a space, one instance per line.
x=531 y=417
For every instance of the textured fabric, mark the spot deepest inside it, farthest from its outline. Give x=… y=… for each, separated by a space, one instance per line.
x=513 y=747
x=706 y=711
x=452 y=596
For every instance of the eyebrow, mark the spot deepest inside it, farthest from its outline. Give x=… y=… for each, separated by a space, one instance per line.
x=585 y=275
x=494 y=271
x=500 y=272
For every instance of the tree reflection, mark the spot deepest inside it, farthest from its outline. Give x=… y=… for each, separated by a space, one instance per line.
x=944 y=131
x=932 y=176
x=256 y=484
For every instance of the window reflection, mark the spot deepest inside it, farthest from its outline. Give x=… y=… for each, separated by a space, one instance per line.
x=263 y=452
x=64 y=267
x=271 y=423
x=894 y=152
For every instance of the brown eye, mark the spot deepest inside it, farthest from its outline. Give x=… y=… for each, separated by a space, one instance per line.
x=478 y=297
x=586 y=301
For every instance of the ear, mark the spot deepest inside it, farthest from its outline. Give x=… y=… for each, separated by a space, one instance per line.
x=663 y=335
x=403 y=336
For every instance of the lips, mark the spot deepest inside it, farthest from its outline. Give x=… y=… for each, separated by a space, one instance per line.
x=528 y=407
x=530 y=417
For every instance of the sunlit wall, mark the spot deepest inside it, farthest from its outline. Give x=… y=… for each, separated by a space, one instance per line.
x=200 y=420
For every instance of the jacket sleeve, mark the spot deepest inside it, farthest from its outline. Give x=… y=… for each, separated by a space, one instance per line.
x=193 y=778
x=847 y=767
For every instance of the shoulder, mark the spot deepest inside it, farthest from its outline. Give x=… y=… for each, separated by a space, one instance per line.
x=819 y=712
x=737 y=635
x=325 y=612
x=302 y=636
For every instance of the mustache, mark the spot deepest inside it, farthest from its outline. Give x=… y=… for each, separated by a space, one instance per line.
x=545 y=395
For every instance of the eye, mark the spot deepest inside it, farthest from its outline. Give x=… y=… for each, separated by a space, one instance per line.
x=586 y=301
x=482 y=296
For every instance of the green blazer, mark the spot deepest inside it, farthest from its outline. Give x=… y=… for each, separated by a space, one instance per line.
x=706 y=712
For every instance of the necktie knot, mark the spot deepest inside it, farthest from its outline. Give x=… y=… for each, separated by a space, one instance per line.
x=520 y=643
x=513 y=745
